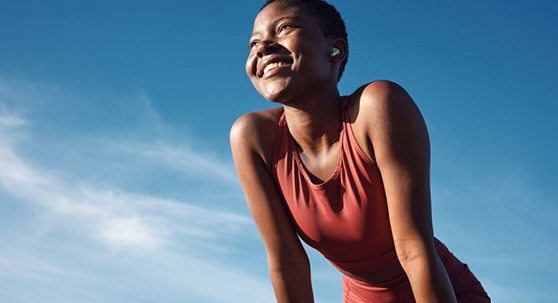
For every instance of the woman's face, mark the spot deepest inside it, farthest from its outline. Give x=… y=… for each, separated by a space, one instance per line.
x=289 y=54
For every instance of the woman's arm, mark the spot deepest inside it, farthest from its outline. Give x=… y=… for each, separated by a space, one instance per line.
x=401 y=148
x=289 y=268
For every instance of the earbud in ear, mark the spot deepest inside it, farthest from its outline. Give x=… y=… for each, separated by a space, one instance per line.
x=335 y=51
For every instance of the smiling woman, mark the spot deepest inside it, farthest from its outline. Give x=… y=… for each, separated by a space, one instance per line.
x=288 y=49
x=348 y=174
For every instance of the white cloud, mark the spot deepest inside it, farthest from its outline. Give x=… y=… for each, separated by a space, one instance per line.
x=188 y=160
x=29 y=267
x=129 y=232
x=109 y=222
x=119 y=217
x=7 y=121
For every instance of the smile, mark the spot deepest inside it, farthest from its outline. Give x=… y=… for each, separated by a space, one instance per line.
x=273 y=64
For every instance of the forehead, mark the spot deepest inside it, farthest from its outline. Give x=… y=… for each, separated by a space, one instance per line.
x=279 y=10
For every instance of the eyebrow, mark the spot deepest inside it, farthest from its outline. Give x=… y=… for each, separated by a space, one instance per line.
x=277 y=21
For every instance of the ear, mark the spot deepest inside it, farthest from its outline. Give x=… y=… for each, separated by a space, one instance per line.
x=341 y=45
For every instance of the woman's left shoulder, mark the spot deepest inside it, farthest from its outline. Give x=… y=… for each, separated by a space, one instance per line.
x=380 y=95
x=384 y=113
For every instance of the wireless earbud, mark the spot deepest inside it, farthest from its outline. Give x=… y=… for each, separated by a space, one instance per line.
x=335 y=51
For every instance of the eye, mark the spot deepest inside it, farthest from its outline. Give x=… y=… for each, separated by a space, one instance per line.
x=252 y=44
x=283 y=26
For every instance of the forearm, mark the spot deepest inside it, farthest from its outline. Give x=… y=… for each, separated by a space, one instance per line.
x=429 y=280
x=292 y=285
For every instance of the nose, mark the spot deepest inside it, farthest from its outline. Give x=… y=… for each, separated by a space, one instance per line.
x=265 y=47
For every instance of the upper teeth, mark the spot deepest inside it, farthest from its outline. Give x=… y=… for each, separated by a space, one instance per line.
x=273 y=65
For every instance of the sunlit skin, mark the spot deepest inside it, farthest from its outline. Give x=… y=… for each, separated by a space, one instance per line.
x=292 y=36
x=308 y=86
x=387 y=125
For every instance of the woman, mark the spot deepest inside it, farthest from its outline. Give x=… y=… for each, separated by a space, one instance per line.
x=350 y=174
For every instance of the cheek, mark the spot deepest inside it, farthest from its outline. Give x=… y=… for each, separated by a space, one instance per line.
x=250 y=70
x=311 y=54
x=250 y=66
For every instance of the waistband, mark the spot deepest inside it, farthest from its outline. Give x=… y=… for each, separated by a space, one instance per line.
x=365 y=265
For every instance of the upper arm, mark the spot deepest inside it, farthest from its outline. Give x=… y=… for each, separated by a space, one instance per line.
x=250 y=140
x=402 y=150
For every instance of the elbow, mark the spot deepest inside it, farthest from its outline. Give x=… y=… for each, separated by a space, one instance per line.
x=414 y=252
x=408 y=258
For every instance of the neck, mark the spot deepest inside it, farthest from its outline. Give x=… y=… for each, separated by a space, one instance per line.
x=315 y=122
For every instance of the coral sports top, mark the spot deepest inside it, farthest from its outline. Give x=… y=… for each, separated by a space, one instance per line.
x=345 y=217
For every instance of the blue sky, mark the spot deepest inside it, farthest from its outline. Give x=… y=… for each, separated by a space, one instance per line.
x=116 y=182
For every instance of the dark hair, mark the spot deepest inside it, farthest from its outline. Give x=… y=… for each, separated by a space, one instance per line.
x=331 y=22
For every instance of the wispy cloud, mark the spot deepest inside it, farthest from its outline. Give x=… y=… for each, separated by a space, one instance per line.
x=120 y=218
x=186 y=159
x=109 y=219
x=30 y=267
x=11 y=121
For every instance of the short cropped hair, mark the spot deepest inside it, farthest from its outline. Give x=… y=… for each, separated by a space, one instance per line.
x=330 y=19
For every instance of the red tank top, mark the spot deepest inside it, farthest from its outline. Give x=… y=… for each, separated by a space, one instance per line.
x=345 y=217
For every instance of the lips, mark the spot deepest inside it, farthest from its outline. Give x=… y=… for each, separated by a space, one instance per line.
x=272 y=63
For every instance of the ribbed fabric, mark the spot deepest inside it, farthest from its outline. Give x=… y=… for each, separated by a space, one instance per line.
x=346 y=219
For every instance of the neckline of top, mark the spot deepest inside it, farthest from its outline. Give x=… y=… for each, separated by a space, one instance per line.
x=302 y=168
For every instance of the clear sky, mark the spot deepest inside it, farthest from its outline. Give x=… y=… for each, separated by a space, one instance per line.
x=116 y=181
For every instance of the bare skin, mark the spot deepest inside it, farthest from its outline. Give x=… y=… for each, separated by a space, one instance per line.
x=387 y=125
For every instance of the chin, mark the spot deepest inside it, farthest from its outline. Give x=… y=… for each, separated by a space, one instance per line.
x=278 y=91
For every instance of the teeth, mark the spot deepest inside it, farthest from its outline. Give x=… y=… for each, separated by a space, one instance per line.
x=273 y=66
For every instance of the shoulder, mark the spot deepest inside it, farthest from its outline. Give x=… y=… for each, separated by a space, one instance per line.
x=255 y=133
x=251 y=128
x=382 y=95
x=386 y=118
x=383 y=102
